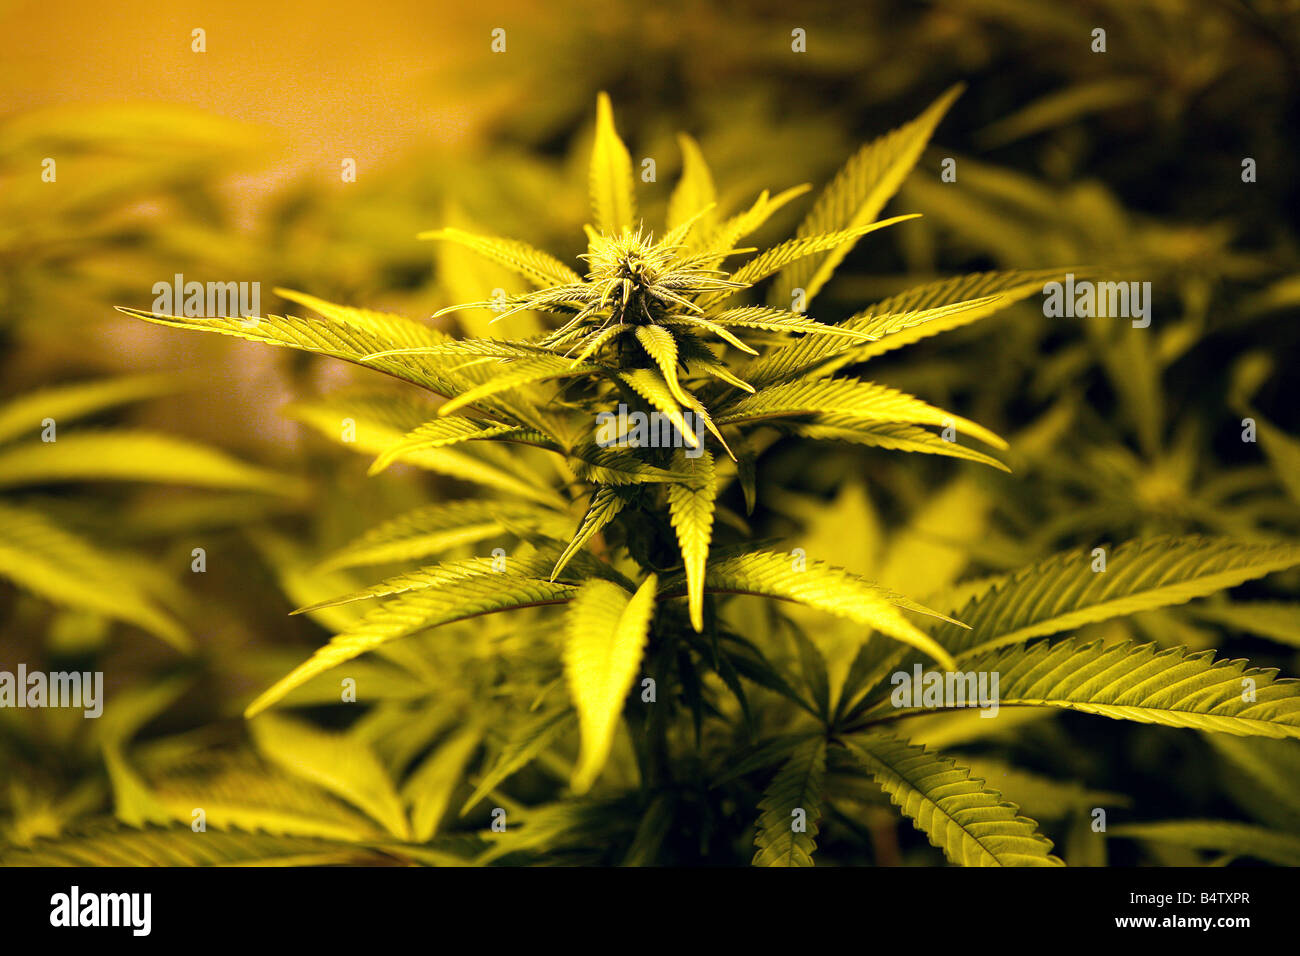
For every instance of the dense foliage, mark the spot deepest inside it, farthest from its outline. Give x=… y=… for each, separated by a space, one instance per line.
x=697 y=654
x=740 y=717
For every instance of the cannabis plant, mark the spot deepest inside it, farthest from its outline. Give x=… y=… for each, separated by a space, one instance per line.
x=639 y=707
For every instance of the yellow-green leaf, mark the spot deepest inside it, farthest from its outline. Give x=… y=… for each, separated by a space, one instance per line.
x=857 y=194
x=338 y=763
x=605 y=632
x=690 y=506
x=613 y=200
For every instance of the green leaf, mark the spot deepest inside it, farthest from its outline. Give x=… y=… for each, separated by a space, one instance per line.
x=336 y=762
x=599 y=339
x=448 y=431
x=179 y=846
x=527 y=740
x=715 y=368
x=944 y=305
x=846 y=398
x=463 y=598
x=656 y=823
x=691 y=506
x=613 y=200
x=135 y=456
x=721 y=241
x=605 y=633
x=1045 y=798
x=694 y=192
x=647 y=383
x=463 y=274
x=611 y=466
x=539 y=268
x=1237 y=839
x=133 y=804
x=243 y=792
x=792 y=809
x=542 y=829
x=900 y=320
x=759 y=756
x=812 y=665
x=372 y=423
x=822 y=356
x=858 y=193
x=821 y=586
x=430 y=787
x=65 y=403
x=1063 y=592
x=1140 y=682
x=448 y=574
x=1063 y=106
x=39 y=555
x=699 y=322
x=973 y=825
x=1275 y=620
x=605 y=504
x=346 y=333
x=774 y=259
x=436 y=528
x=1261 y=775
x=517 y=374
x=1283 y=453
x=891 y=435
x=303 y=584
x=781 y=320
x=660 y=345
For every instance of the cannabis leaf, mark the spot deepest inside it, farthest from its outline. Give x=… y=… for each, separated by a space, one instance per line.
x=606 y=632
x=792 y=809
x=973 y=825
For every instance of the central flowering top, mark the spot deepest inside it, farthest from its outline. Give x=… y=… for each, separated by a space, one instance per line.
x=640 y=281
x=642 y=316
x=633 y=281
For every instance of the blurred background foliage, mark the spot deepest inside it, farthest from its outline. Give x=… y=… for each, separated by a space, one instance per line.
x=224 y=166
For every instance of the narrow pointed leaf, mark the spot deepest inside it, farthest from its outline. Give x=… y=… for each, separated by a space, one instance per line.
x=339 y=763
x=605 y=633
x=694 y=191
x=651 y=386
x=119 y=455
x=824 y=587
x=46 y=559
x=527 y=739
x=858 y=193
x=539 y=268
x=438 y=527
x=691 y=506
x=1219 y=836
x=605 y=504
x=847 y=398
x=660 y=346
x=973 y=825
x=1174 y=687
x=1064 y=593
x=792 y=809
x=416 y=611
x=613 y=200
x=66 y=403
